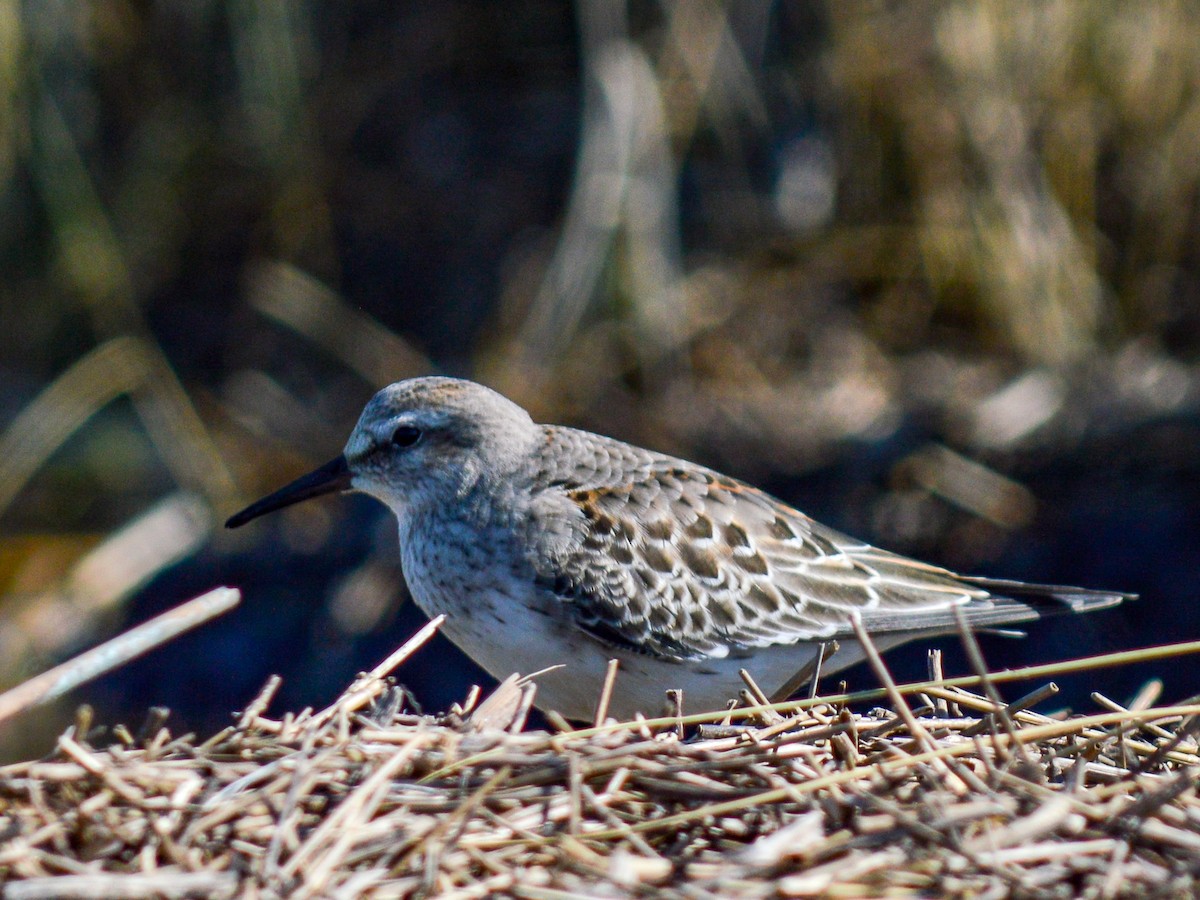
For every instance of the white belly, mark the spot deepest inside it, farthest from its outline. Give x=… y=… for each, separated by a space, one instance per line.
x=642 y=681
x=504 y=636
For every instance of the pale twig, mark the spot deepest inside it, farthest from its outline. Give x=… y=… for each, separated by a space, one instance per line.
x=260 y=703
x=975 y=656
x=610 y=678
x=165 y=884
x=1027 y=673
x=915 y=728
x=1033 y=698
x=369 y=685
x=118 y=651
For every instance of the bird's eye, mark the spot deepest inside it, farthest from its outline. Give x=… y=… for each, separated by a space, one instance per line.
x=406 y=436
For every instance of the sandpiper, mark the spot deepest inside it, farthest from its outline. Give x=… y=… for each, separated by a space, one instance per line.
x=548 y=546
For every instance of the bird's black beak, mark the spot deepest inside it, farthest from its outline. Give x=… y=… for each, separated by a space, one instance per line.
x=333 y=476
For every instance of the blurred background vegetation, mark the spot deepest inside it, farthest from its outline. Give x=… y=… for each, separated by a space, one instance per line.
x=927 y=270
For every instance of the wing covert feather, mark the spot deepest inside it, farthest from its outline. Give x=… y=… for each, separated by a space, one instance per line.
x=677 y=560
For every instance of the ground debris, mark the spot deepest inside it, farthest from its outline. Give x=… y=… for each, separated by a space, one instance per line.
x=374 y=801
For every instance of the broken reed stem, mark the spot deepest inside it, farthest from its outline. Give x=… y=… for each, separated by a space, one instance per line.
x=408 y=648
x=897 y=765
x=975 y=657
x=1033 y=698
x=1004 y=676
x=915 y=728
x=369 y=685
x=259 y=704
x=606 y=691
x=809 y=673
x=118 y=651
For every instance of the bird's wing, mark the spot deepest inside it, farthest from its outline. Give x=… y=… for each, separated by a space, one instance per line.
x=679 y=561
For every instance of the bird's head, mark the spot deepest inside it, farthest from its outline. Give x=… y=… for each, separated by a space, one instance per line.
x=420 y=442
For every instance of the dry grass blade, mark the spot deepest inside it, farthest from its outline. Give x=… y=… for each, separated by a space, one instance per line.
x=300 y=302
x=116 y=367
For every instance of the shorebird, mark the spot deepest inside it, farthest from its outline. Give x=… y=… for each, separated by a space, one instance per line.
x=550 y=546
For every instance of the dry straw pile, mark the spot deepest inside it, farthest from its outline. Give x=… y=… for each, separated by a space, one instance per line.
x=947 y=792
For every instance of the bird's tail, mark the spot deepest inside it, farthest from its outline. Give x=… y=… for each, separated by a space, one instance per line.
x=1067 y=599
